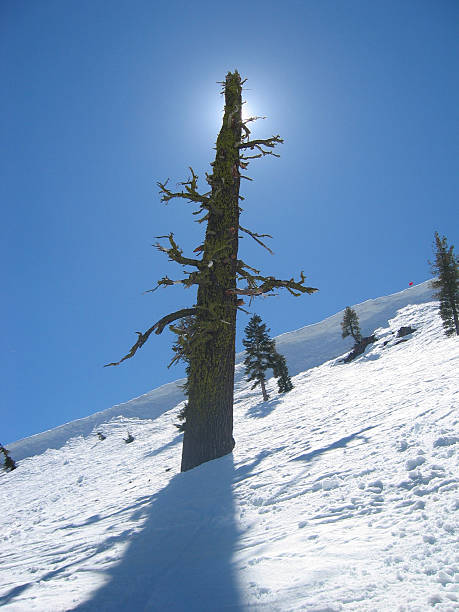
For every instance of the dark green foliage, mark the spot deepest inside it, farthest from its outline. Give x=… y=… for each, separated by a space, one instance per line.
x=260 y=351
x=350 y=325
x=446 y=268
x=284 y=382
x=8 y=463
x=261 y=355
x=184 y=330
x=182 y=418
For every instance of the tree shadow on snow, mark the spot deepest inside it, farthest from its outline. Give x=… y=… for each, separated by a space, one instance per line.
x=181 y=560
x=262 y=409
x=178 y=438
x=341 y=443
x=14 y=592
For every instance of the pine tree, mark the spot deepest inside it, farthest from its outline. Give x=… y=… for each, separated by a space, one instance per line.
x=9 y=464
x=260 y=350
x=284 y=382
x=446 y=268
x=209 y=420
x=350 y=325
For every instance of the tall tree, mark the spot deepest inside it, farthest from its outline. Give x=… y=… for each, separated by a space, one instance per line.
x=209 y=418
x=280 y=369
x=446 y=268
x=260 y=353
x=350 y=325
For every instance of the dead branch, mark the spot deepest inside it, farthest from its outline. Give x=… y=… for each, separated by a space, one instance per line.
x=267 y=142
x=175 y=252
x=194 y=278
x=158 y=327
x=252 y=119
x=256 y=238
x=191 y=192
x=268 y=283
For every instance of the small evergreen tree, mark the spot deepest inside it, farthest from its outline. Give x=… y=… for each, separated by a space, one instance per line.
x=284 y=382
x=446 y=268
x=350 y=325
x=260 y=351
x=9 y=464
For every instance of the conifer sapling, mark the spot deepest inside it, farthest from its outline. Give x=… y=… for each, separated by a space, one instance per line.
x=350 y=325
x=284 y=382
x=446 y=267
x=260 y=355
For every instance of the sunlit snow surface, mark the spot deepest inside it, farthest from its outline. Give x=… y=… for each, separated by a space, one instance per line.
x=340 y=495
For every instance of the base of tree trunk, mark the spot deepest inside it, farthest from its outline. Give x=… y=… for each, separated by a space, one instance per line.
x=263 y=390
x=195 y=451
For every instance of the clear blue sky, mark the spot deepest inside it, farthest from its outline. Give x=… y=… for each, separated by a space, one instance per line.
x=102 y=99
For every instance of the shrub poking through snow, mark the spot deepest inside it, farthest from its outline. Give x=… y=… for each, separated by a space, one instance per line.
x=8 y=464
x=129 y=439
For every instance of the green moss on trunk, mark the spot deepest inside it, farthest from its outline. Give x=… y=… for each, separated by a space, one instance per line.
x=209 y=423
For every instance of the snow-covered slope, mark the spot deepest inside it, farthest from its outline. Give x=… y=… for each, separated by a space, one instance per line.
x=304 y=348
x=340 y=495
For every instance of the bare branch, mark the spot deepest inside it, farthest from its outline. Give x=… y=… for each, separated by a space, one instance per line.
x=194 y=278
x=158 y=327
x=175 y=253
x=256 y=238
x=252 y=119
x=268 y=283
x=191 y=192
x=267 y=142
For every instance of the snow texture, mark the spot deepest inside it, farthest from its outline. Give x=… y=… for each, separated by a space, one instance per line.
x=340 y=495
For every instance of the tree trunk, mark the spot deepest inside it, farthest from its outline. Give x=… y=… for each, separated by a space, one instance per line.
x=455 y=318
x=209 y=422
x=263 y=390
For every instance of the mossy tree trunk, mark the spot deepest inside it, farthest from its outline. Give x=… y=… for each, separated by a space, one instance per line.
x=209 y=423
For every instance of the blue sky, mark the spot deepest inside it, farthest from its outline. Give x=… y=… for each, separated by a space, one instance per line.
x=102 y=99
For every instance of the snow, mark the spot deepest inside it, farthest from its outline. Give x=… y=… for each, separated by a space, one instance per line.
x=340 y=495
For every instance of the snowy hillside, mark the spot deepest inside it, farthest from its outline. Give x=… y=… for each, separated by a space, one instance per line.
x=340 y=495
x=304 y=348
